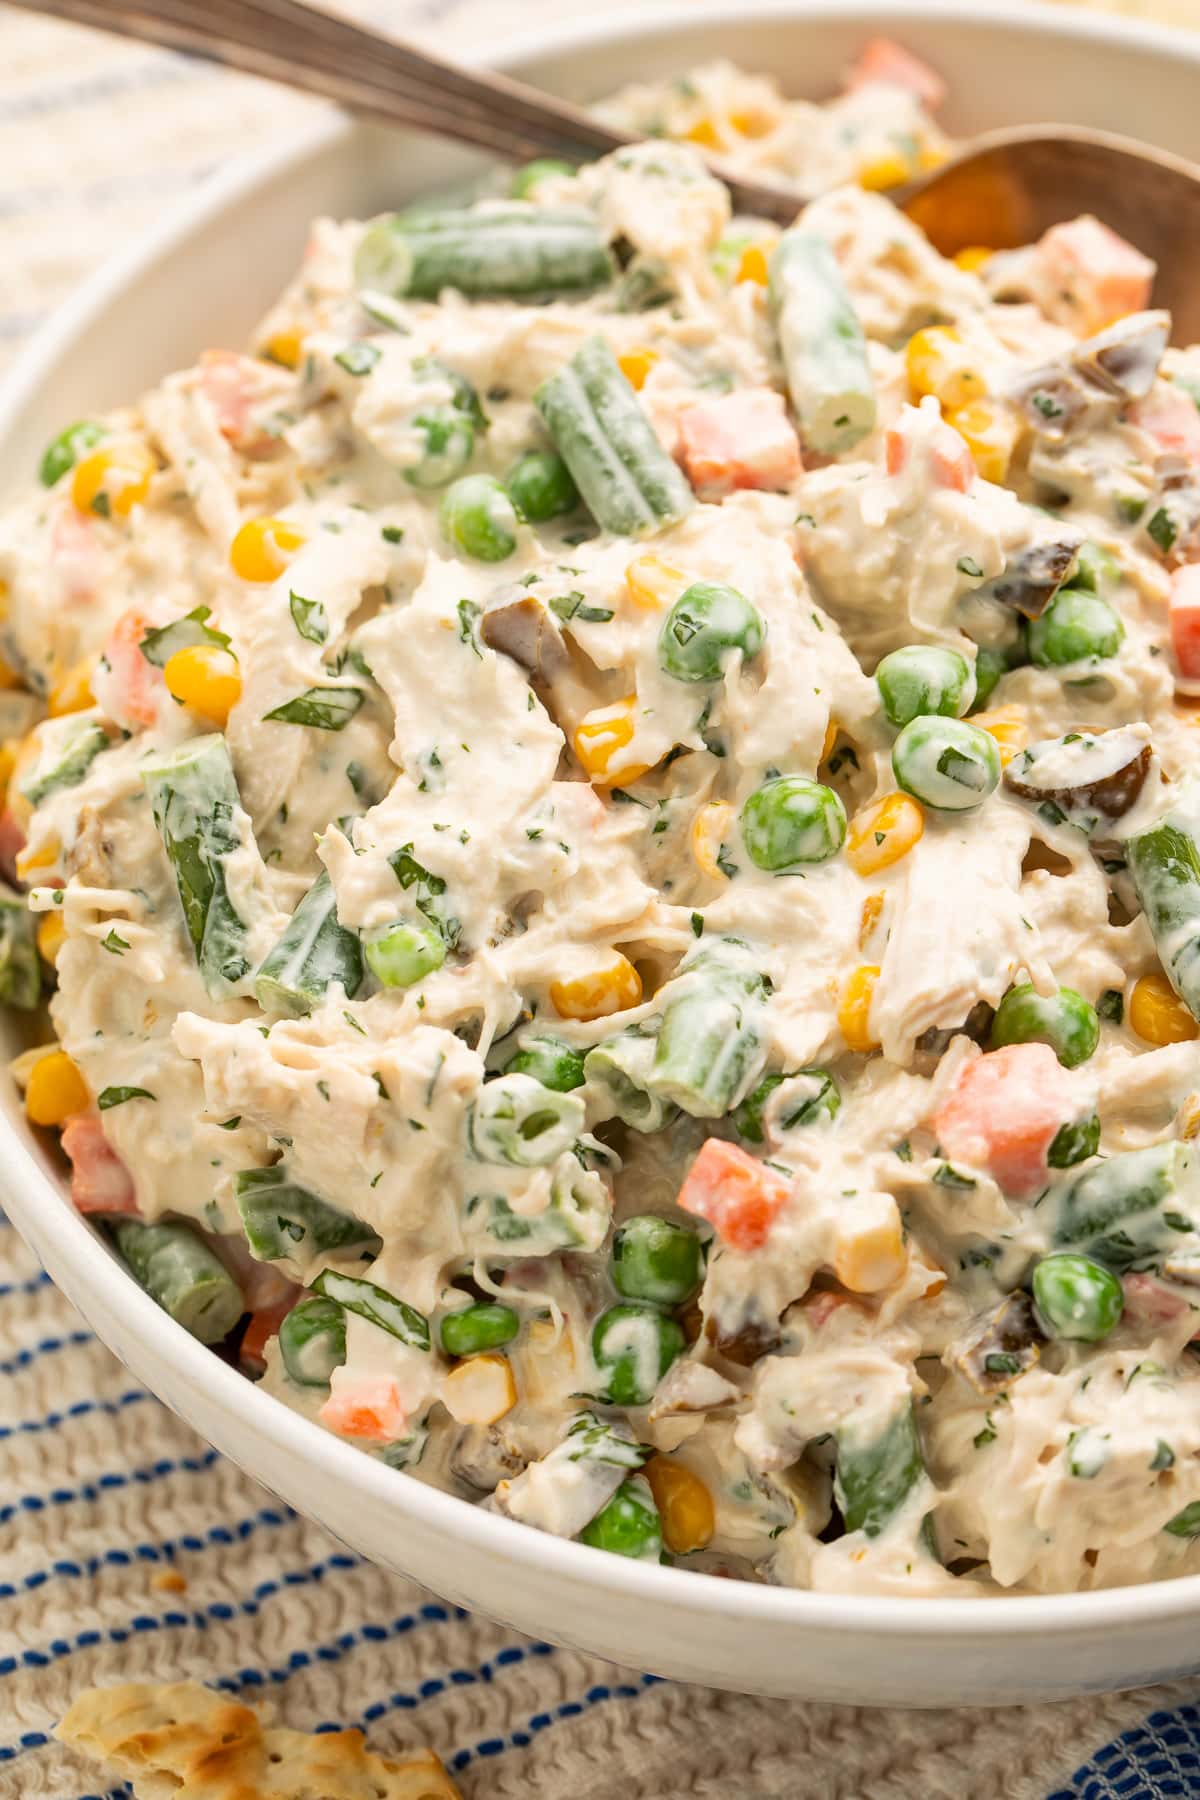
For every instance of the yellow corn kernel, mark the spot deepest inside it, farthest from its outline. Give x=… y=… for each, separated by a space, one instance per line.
x=883 y=832
x=684 y=1504
x=51 y=935
x=872 y=909
x=636 y=364
x=973 y=257
x=854 y=1008
x=480 y=1390
x=1158 y=1015
x=1010 y=728
x=936 y=360
x=72 y=692
x=869 y=1253
x=206 y=679
x=752 y=124
x=708 y=834
x=752 y=264
x=653 y=583
x=8 y=764
x=29 y=861
x=890 y=170
x=991 y=436
x=55 y=1090
x=612 y=988
x=263 y=548
x=113 y=479
x=284 y=348
x=704 y=132
x=601 y=736
x=831 y=737
x=546 y=1356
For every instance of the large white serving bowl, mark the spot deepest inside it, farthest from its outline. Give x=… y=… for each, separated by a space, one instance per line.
x=202 y=279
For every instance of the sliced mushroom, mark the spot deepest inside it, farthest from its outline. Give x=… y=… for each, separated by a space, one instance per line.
x=999 y=1347
x=936 y=1041
x=1124 y=359
x=483 y=1458
x=1033 y=575
x=1089 y=777
x=519 y=626
x=691 y=1387
x=753 y=1339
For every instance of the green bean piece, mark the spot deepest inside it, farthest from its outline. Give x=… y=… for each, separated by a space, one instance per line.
x=495 y=248
x=313 y=954
x=405 y=953
x=484 y=1326
x=1132 y=1209
x=1074 y=1142
x=64 y=451
x=710 y=1045
x=555 y=1064
x=312 y=1341
x=187 y=1279
x=656 y=1260
x=924 y=679
x=1076 y=1298
x=1076 y=627
x=541 y=487
x=478 y=518
x=65 y=755
x=516 y=1120
x=198 y=812
x=633 y=1346
x=449 y=445
x=629 y=1524
x=629 y=483
x=282 y=1219
x=816 y=1097
x=1185 y=1524
x=706 y=625
x=1064 y=1020
x=20 y=970
x=946 y=763
x=1164 y=862
x=391 y=1314
x=791 y=820
x=876 y=1475
x=623 y=1067
x=822 y=343
x=543 y=168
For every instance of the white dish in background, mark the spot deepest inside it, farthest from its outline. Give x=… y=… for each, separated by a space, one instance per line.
x=203 y=279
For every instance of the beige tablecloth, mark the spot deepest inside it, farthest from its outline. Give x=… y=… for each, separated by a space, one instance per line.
x=127 y=1547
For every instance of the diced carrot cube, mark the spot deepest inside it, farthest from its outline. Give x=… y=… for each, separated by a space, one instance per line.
x=1005 y=1112
x=742 y=440
x=264 y=1325
x=1092 y=275
x=366 y=1406
x=739 y=1196
x=1172 y=418
x=1185 y=619
x=131 y=684
x=100 y=1182
x=890 y=64
x=950 y=461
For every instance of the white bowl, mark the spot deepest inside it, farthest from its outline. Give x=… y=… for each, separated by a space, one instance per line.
x=202 y=279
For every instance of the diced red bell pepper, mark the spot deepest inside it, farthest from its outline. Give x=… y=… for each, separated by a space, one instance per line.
x=742 y=440
x=1185 y=619
x=739 y=1196
x=890 y=64
x=100 y=1182
x=264 y=1325
x=1172 y=418
x=1150 y=1303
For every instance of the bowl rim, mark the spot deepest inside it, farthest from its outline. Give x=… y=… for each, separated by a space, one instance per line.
x=46 y=1214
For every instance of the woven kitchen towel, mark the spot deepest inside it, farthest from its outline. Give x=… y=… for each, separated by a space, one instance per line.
x=128 y=1548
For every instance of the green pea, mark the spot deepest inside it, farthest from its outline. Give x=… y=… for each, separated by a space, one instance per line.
x=629 y=1525
x=555 y=1064
x=545 y=168
x=990 y=665
x=1074 y=1143
x=484 y=1326
x=706 y=624
x=633 y=1347
x=1063 y=1020
x=404 y=953
x=1096 y=570
x=541 y=487
x=819 y=1099
x=312 y=1341
x=64 y=451
x=946 y=763
x=791 y=820
x=1076 y=1298
x=478 y=518
x=924 y=679
x=656 y=1260
x=449 y=444
x=1077 y=626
